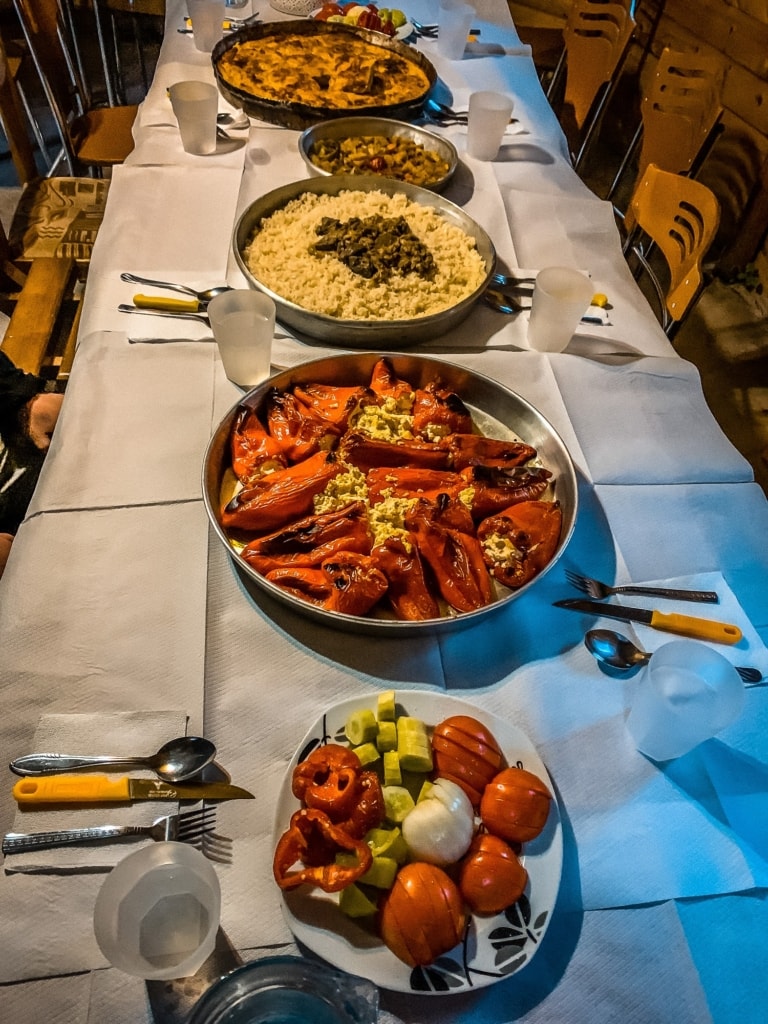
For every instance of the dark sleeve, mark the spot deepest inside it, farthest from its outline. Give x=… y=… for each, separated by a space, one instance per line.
x=16 y=389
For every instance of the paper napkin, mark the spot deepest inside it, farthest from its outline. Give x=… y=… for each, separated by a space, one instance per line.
x=119 y=734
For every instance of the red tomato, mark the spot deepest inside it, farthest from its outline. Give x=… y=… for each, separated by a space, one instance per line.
x=370 y=20
x=466 y=752
x=515 y=805
x=327 y=10
x=422 y=915
x=491 y=877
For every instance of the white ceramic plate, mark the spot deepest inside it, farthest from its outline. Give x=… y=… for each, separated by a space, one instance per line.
x=401 y=33
x=493 y=947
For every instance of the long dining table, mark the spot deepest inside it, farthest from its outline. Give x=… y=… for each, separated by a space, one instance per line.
x=123 y=621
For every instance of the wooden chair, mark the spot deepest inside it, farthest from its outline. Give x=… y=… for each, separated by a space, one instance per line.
x=57 y=216
x=92 y=138
x=43 y=303
x=139 y=12
x=680 y=116
x=596 y=40
x=681 y=217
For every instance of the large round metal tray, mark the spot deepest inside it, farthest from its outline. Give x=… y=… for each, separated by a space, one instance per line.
x=497 y=411
x=388 y=128
x=369 y=334
x=301 y=115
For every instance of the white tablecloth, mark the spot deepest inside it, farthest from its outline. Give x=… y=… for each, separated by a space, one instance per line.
x=118 y=596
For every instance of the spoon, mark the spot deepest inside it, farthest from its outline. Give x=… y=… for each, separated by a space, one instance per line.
x=175 y=761
x=204 y=296
x=615 y=650
x=504 y=303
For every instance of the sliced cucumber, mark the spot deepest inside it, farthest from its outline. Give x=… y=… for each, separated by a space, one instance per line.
x=354 y=903
x=387 y=842
x=398 y=803
x=361 y=727
x=381 y=874
x=386 y=738
x=368 y=753
x=392 y=774
x=385 y=706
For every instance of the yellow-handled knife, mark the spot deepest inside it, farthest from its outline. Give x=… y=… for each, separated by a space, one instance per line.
x=682 y=625
x=172 y=305
x=90 y=789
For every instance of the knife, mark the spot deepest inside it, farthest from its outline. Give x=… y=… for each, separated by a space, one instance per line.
x=164 y=302
x=89 y=789
x=684 y=625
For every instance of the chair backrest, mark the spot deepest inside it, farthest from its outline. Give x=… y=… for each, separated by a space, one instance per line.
x=45 y=31
x=596 y=37
x=681 y=216
x=596 y=40
x=680 y=110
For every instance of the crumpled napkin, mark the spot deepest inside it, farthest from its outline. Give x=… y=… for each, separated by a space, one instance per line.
x=119 y=734
x=750 y=651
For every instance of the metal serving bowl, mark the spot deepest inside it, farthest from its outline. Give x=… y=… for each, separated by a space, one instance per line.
x=497 y=412
x=369 y=334
x=352 y=127
x=291 y=114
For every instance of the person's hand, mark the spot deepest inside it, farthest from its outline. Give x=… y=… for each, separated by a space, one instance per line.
x=6 y=539
x=43 y=412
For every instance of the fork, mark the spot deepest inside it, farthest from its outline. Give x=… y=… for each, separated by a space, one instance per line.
x=186 y=827
x=598 y=591
x=430 y=31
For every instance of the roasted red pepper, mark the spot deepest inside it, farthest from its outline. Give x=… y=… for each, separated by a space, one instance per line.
x=367 y=453
x=281 y=497
x=253 y=450
x=408 y=592
x=520 y=541
x=455 y=558
x=494 y=490
x=346 y=582
x=439 y=410
x=387 y=385
x=308 y=542
x=297 y=430
x=476 y=450
x=313 y=829
x=328 y=780
x=368 y=811
x=333 y=404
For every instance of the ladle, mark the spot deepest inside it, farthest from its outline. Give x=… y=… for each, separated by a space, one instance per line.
x=175 y=761
x=204 y=296
x=617 y=651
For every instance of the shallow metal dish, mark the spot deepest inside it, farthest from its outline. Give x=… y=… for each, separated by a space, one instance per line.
x=351 y=127
x=301 y=115
x=370 y=334
x=497 y=411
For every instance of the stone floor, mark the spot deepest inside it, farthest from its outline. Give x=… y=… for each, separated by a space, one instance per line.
x=726 y=335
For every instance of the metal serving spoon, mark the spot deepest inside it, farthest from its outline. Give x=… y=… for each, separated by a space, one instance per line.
x=614 y=649
x=204 y=296
x=175 y=761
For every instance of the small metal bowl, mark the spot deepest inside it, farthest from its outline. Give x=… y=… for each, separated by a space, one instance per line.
x=350 y=127
x=383 y=335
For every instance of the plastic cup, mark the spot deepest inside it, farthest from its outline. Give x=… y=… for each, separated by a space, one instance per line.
x=288 y=990
x=454 y=20
x=489 y=114
x=243 y=324
x=686 y=694
x=157 y=912
x=195 y=105
x=561 y=297
x=207 y=28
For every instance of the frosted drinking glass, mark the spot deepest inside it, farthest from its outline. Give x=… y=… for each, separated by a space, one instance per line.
x=489 y=114
x=195 y=105
x=561 y=297
x=454 y=21
x=207 y=18
x=686 y=694
x=243 y=324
